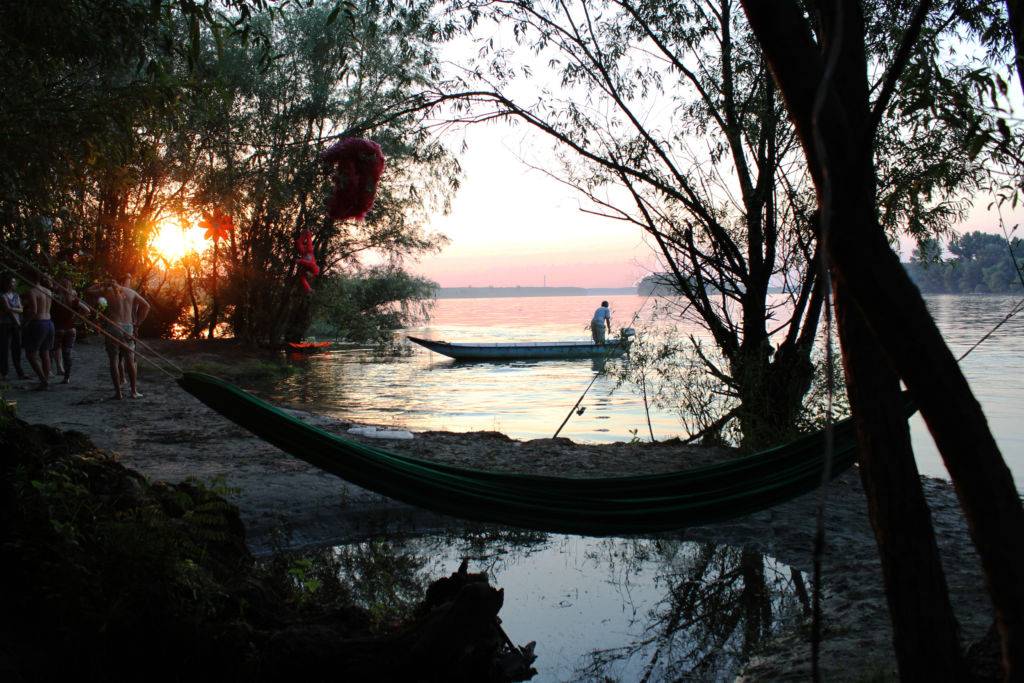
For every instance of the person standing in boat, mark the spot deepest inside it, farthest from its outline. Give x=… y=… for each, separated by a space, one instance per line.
x=602 y=321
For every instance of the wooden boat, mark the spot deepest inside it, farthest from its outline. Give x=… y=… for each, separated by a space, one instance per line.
x=308 y=346
x=554 y=350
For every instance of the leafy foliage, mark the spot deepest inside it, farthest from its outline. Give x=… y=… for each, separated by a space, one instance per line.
x=981 y=263
x=665 y=117
x=366 y=307
x=128 y=117
x=116 y=577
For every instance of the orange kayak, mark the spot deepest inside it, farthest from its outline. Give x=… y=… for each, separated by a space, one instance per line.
x=308 y=346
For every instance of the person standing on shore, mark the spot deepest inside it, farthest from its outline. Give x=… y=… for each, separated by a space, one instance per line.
x=126 y=310
x=602 y=320
x=10 y=326
x=126 y=282
x=37 y=332
x=67 y=306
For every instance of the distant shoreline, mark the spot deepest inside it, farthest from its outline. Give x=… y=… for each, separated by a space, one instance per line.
x=506 y=292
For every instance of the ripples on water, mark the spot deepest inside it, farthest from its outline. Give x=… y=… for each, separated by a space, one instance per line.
x=529 y=399
x=995 y=371
x=524 y=399
x=610 y=607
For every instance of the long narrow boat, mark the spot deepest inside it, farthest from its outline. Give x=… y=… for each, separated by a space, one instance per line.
x=567 y=350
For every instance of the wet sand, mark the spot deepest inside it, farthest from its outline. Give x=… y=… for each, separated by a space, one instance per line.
x=285 y=503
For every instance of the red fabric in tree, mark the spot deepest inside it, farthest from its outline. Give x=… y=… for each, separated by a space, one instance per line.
x=306 y=262
x=356 y=167
x=218 y=225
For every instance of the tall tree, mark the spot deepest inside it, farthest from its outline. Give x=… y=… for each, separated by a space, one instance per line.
x=87 y=87
x=333 y=74
x=821 y=67
x=125 y=116
x=711 y=176
x=667 y=118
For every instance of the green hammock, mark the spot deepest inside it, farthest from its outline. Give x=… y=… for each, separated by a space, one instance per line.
x=599 y=507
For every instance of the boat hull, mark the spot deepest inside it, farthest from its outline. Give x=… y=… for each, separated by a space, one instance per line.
x=525 y=350
x=307 y=347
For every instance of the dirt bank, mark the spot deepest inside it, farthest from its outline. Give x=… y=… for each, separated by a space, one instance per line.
x=283 y=501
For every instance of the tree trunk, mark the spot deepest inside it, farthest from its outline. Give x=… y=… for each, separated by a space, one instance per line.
x=1016 y=17
x=925 y=632
x=901 y=324
x=838 y=151
x=215 y=308
x=771 y=396
x=757 y=607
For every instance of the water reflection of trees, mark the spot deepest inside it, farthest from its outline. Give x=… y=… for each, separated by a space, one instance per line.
x=720 y=603
x=716 y=604
x=491 y=549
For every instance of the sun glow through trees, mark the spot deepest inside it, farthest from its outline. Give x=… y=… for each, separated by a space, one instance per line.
x=171 y=241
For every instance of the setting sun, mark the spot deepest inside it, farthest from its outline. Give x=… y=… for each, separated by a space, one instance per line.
x=171 y=241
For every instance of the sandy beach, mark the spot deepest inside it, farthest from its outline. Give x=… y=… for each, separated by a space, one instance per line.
x=284 y=502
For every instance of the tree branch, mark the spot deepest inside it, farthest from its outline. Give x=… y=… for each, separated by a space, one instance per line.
x=899 y=61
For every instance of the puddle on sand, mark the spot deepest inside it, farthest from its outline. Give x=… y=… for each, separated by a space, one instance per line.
x=622 y=609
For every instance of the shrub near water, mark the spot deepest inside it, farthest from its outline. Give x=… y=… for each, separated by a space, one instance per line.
x=111 y=574
x=111 y=577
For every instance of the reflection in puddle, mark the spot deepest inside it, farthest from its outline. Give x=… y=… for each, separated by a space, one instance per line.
x=622 y=609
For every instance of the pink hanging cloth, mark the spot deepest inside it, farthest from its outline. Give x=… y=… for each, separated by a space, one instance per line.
x=357 y=166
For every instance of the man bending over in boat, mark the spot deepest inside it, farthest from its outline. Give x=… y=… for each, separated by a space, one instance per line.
x=126 y=310
x=602 y=320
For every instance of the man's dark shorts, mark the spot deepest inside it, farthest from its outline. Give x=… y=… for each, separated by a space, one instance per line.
x=37 y=336
x=65 y=339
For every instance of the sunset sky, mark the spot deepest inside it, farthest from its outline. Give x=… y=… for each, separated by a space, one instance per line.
x=514 y=225
x=511 y=224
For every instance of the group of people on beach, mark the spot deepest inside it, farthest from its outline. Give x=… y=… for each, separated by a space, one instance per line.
x=41 y=322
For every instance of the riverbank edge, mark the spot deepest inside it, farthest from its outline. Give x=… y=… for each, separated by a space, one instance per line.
x=285 y=503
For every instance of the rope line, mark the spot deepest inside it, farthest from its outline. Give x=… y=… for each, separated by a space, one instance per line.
x=96 y=327
x=1017 y=308
x=91 y=309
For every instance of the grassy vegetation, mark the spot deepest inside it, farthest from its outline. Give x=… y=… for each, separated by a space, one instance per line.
x=243 y=369
x=114 y=577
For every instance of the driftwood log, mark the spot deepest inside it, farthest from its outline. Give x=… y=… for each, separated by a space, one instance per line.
x=456 y=635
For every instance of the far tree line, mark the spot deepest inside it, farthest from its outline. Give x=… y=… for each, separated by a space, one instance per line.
x=972 y=263
x=978 y=263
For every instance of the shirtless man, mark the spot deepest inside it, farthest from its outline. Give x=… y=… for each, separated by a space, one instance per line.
x=126 y=310
x=126 y=282
x=37 y=332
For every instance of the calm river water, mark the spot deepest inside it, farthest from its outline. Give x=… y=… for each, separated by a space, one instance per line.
x=529 y=399
x=606 y=609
